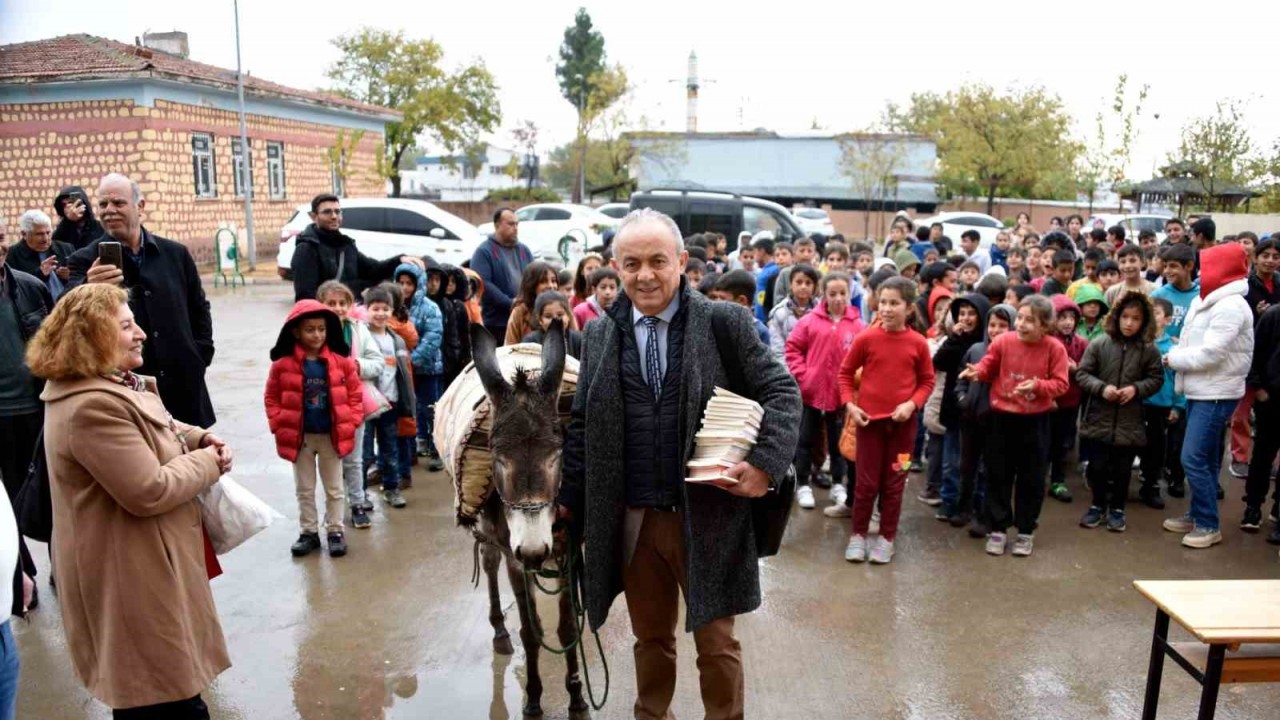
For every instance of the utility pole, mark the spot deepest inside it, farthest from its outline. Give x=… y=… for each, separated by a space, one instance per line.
x=245 y=175
x=582 y=138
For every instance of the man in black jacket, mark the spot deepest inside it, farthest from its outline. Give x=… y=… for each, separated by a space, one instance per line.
x=24 y=304
x=166 y=296
x=39 y=255
x=78 y=227
x=646 y=375
x=323 y=253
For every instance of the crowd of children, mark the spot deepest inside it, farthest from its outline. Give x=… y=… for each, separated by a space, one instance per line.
x=989 y=367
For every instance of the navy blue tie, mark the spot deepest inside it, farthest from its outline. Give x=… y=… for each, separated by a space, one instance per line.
x=653 y=357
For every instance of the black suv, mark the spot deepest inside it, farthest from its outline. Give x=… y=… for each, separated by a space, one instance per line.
x=697 y=211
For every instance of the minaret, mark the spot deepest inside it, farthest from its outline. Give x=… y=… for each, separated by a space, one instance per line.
x=691 y=120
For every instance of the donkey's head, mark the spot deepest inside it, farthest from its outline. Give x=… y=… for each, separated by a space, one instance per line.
x=525 y=439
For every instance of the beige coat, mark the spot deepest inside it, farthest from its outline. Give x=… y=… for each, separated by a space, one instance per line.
x=129 y=552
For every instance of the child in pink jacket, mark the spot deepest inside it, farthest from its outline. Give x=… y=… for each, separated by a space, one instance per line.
x=814 y=351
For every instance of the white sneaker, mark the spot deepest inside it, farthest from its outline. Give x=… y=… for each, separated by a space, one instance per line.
x=856 y=550
x=838 y=511
x=838 y=494
x=882 y=553
x=804 y=497
x=995 y=543
x=874 y=527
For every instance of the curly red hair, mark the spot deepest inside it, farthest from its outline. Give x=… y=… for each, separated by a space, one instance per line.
x=80 y=338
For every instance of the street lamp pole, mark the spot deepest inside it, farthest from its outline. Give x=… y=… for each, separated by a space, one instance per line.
x=244 y=153
x=582 y=138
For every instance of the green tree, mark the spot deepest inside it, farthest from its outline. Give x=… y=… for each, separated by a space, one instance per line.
x=870 y=160
x=1218 y=146
x=579 y=72
x=452 y=108
x=340 y=152
x=1107 y=155
x=1014 y=143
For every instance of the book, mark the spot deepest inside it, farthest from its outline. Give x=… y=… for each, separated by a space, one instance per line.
x=730 y=428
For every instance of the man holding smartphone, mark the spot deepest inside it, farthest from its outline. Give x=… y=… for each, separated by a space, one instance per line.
x=167 y=297
x=39 y=255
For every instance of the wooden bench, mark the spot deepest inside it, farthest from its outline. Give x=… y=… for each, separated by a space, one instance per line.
x=1237 y=623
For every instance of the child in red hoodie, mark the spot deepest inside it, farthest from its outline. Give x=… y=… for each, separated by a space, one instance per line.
x=314 y=400
x=899 y=371
x=1027 y=371
x=1063 y=418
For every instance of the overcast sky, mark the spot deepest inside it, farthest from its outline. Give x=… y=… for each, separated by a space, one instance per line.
x=838 y=63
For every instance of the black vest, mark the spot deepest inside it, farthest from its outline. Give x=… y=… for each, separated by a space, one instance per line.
x=654 y=457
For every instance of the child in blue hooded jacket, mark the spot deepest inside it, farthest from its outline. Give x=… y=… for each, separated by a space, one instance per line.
x=428 y=360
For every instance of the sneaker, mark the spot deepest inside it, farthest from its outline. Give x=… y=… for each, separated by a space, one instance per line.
x=1115 y=521
x=978 y=529
x=359 y=518
x=1177 y=490
x=424 y=448
x=873 y=528
x=1274 y=537
x=435 y=464
x=930 y=497
x=944 y=512
x=1137 y=462
x=839 y=495
x=373 y=476
x=995 y=543
x=838 y=511
x=822 y=479
x=1240 y=470
x=856 y=550
x=305 y=543
x=1092 y=517
x=1060 y=492
x=1201 y=538
x=804 y=497
x=1252 y=520
x=1275 y=511
x=394 y=498
x=1182 y=524
x=882 y=552
x=337 y=544
x=1151 y=498
x=1023 y=545
x=917 y=465
x=959 y=520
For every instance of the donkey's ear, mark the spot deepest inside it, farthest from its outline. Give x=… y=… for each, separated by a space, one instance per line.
x=553 y=352
x=484 y=354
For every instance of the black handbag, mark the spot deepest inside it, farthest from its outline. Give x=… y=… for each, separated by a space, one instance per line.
x=33 y=507
x=771 y=511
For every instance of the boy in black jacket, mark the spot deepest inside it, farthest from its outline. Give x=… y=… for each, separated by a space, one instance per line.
x=1264 y=376
x=974 y=406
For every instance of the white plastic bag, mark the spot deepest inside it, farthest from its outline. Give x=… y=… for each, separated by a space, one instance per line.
x=232 y=514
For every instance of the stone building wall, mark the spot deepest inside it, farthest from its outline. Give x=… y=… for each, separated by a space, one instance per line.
x=46 y=146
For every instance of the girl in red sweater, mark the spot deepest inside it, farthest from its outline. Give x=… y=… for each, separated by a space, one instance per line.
x=814 y=350
x=1027 y=369
x=885 y=412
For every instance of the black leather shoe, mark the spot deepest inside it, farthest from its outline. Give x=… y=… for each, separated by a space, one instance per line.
x=337 y=545
x=305 y=544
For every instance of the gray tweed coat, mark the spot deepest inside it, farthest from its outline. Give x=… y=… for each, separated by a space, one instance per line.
x=724 y=577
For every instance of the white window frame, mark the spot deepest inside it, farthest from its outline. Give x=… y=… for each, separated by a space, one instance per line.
x=202 y=164
x=237 y=158
x=339 y=187
x=275 y=170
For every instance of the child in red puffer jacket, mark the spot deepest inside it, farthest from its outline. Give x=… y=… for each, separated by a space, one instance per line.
x=814 y=351
x=314 y=401
x=1063 y=418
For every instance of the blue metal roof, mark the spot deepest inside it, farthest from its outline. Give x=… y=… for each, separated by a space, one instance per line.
x=768 y=165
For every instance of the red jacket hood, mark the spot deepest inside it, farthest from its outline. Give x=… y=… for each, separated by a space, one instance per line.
x=1062 y=303
x=310 y=308
x=935 y=295
x=1222 y=264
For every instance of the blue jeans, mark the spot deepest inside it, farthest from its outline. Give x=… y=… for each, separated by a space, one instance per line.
x=950 y=488
x=1202 y=456
x=383 y=430
x=9 y=667
x=427 y=389
x=407 y=448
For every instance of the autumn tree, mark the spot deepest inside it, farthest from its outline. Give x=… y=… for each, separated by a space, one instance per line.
x=871 y=161
x=1017 y=142
x=1107 y=154
x=1218 y=146
x=340 y=152
x=450 y=107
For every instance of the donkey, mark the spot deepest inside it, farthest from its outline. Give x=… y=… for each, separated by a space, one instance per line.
x=516 y=521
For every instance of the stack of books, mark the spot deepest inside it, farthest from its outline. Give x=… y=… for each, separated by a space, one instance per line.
x=730 y=426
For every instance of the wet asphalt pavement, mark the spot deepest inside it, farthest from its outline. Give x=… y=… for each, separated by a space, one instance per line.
x=395 y=629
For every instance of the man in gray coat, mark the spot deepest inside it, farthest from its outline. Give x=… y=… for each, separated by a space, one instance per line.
x=646 y=374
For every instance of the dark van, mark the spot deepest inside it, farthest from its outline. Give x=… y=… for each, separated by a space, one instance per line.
x=697 y=211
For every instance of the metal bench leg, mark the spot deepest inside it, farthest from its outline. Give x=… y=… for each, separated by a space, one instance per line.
x=1155 y=670
x=1212 y=679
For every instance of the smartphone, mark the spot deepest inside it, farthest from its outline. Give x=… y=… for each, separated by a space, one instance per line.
x=109 y=253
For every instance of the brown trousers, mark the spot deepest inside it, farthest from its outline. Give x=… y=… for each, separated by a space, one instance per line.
x=653 y=581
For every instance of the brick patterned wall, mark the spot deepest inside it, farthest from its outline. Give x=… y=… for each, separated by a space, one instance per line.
x=46 y=146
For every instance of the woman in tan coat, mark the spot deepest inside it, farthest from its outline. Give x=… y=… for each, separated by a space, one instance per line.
x=128 y=542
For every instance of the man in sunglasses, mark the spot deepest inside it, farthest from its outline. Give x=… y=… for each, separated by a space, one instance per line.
x=324 y=253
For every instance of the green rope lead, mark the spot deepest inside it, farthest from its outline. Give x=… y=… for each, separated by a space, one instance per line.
x=569 y=581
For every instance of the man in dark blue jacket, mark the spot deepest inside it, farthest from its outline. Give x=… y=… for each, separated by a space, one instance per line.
x=500 y=261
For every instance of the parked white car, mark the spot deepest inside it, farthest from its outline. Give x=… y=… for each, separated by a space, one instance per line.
x=615 y=210
x=543 y=227
x=1132 y=224
x=813 y=220
x=388 y=227
x=956 y=223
